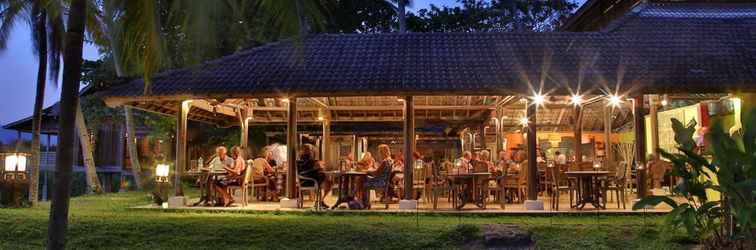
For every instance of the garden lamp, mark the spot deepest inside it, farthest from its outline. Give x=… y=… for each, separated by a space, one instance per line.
x=15 y=166
x=161 y=172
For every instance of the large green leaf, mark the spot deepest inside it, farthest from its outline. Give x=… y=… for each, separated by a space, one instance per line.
x=654 y=200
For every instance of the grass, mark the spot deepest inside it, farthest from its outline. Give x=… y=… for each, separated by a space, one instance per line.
x=105 y=222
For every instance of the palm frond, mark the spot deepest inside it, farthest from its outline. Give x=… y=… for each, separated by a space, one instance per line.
x=55 y=34
x=283 y=15
x=10 y=13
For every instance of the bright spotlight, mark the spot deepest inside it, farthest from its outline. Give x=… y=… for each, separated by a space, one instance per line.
x=524 y=121
x=576 y=100
x=539 y=99
x=285 y=100
x=615 y=100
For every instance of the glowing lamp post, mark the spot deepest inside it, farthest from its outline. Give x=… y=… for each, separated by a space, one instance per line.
x=15 y=167
x=161 y=172
x=14 y=174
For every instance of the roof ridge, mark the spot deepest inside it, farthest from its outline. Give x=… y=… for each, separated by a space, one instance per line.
x=633 y=13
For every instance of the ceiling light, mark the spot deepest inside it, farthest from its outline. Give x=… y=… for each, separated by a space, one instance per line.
x=539 y=99
x=615 y=100
x=576 y=100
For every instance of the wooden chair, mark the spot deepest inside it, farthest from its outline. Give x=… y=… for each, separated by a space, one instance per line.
x=616 y=184
x=381 y=183
x=244 y=186
x=497 y=187
x=258 y=183
x=516 y=185
x=314 y=190
x=418 y=181
x=657 y=172
x=522 y=180
x=561 y=184
x=438 y=184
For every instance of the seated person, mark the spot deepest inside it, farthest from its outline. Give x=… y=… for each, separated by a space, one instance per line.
x=235 y=174
x=462 y=164
x=378 y=179
x=261 y=169
x=220 y=161
x=310 y=168
x=367 y=163
x=503 y=163
x=485 y=158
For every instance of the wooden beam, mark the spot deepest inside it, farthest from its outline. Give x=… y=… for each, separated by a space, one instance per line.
x=639 y=122
x=532 y=155
x=409 y=146
x=181 y=156
x=292 y=141
x=578 y=130
x=608 y=157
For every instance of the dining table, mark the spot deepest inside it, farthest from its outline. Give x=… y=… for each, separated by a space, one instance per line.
x=207 y=182
x=468 y=188
x=347 y=181
x=589 y=187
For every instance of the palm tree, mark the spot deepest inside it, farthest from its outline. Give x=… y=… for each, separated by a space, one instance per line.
x=132 y=30
x=69 y=97
x=399 y=7
x=47 y=31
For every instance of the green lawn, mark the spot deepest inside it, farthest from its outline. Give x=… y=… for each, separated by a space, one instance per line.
x=105 y=222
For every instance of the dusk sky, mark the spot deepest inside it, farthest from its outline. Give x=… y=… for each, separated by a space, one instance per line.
x=19 y=70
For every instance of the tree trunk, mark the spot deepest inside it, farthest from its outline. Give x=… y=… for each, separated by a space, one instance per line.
x=402 y=15
x=136 y=168
x=69 y=98
x=304 y=27
x=39 y=99
x=85 y=139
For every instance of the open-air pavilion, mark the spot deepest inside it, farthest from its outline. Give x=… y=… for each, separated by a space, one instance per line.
x=471 y=91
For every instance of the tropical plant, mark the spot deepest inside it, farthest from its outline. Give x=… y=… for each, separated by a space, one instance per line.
x=735 y=161
x=73 y=46
x=732 y=166
x=47 y=30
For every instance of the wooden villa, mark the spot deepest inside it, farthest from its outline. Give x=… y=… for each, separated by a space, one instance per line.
x=581 y=90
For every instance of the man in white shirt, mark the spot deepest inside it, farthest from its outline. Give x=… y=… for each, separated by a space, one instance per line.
x=221 y=160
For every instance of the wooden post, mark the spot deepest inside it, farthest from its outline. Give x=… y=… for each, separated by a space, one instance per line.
x=181 y=120
x=578 y=133
x=292 y=141
x=654 y=123
x=326 y=141
x=608 y=157
x=483 y=135
x=640 y=143
x=18 y=141
x=244 y=127
x=409 y=145
x=499 y=140
x=532 y=154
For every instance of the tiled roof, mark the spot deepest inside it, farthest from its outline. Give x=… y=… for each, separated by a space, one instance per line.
x=657 y=47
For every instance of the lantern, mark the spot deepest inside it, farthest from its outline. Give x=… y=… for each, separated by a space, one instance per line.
x=15 y=166
x=161 y=172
